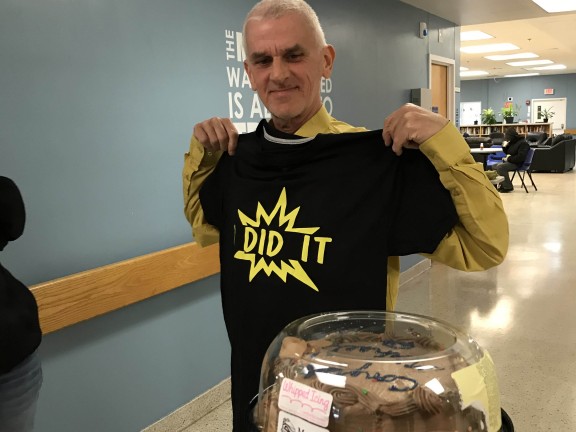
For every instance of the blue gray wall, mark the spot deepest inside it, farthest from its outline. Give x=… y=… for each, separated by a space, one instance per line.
x=98 y=103
x=495 y=92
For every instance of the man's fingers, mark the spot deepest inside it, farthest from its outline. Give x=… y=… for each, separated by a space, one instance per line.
x=393 y=135
x=206 y=135
x=409 y=126
x=232 y=136
x=387 y=133
x=217 y=134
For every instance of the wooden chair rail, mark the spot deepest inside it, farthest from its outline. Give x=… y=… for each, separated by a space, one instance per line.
x=81 y=296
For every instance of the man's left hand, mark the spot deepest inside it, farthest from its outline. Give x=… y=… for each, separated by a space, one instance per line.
x=411 y=125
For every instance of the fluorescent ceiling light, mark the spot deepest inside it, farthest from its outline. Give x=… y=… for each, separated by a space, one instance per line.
x=473 y=73
x=474 y=35
x=521 y=75
x=478 y=49
x=462 y=68
x=530 y=63
x=552 y=6
x=502 y=57
x=551 y=67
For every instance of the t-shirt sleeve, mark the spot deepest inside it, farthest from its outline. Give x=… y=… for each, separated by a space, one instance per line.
x=424 y=210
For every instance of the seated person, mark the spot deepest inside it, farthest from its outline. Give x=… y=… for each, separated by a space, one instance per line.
x=516 y=149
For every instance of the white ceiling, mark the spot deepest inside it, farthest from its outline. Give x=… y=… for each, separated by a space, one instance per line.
x=521 y=22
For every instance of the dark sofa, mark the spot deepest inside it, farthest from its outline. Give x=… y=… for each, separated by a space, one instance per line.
x=475 y=141
x=558 y=157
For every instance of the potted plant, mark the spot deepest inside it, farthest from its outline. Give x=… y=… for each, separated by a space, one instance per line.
x=546 y=113
x=488 y=116
x=509 y=112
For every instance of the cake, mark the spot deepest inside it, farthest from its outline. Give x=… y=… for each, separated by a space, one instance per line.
x=355 y=380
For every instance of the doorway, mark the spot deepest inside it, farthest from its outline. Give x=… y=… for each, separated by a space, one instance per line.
x=470 y=113
x=557 y=105
x=441 y=82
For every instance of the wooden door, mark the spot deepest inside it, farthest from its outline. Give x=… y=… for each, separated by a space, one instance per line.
x=440 y=89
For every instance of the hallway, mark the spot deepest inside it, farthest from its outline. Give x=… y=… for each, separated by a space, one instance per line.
x=523 y=312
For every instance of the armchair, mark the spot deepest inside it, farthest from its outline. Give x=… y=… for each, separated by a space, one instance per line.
x=496 y=139
x=559 y=157
x=536 y=139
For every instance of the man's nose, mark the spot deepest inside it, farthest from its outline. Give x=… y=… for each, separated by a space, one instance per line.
x=279 y=71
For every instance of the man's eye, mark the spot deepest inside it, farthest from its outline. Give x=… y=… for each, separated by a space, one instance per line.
x=294 y=57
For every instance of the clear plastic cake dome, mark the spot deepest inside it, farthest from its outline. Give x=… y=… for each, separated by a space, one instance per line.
x=376 y=371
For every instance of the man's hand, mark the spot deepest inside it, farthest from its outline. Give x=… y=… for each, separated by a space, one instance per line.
x=217 y=134
x=409 y=126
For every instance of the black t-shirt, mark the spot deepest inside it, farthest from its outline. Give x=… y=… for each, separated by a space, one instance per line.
x=306 y=226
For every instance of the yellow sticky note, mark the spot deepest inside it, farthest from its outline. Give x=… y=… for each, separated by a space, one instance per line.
x=478 y=387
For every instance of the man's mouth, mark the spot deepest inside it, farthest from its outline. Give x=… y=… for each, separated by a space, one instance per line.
x=282 y=91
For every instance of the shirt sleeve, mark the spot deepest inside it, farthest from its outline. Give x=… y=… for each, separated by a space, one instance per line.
x=198 y=164
x=480 y=238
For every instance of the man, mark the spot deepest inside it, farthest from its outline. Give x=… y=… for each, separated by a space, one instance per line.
x=287 y=56
x=516 y=149
x=20 y=335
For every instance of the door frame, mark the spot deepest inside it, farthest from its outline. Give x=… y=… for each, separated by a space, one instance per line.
x=450 y=87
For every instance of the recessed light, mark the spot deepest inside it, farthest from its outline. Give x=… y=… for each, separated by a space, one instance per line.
x=473 y=73
x=502 y=57
x=462 y=68
x=530 y=63
x=551 y=67
x=521 y=75
x=478 y=49
x=474 y=35
x=552 y=6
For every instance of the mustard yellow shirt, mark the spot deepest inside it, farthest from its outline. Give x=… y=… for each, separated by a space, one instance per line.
x=479 y=240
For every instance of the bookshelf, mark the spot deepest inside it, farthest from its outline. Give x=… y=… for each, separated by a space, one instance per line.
x=522 y=128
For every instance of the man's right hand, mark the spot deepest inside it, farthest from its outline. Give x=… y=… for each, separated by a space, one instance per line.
x=217 y=134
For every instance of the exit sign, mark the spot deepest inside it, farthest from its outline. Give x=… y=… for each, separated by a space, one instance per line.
x=548 y=91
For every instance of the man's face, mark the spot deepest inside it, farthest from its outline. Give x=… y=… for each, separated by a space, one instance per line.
x=285 y=64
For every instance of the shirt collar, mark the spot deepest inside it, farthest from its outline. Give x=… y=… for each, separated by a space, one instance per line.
x=319 y=123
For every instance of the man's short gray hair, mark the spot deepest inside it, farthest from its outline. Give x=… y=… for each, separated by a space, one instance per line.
x=266 y=9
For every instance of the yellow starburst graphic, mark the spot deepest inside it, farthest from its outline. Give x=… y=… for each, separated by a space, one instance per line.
x=260 y=242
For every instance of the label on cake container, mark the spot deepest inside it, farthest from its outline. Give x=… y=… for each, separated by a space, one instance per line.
x=478 y=387
x=290 y=423
x=305 y=402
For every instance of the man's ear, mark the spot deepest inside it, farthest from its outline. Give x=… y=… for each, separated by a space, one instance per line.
x=329 y=54
x=247 y=69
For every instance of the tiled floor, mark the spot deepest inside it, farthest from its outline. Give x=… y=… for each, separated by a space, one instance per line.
x=523 y=312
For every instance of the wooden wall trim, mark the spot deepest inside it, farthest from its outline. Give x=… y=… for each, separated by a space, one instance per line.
x=81 y=296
